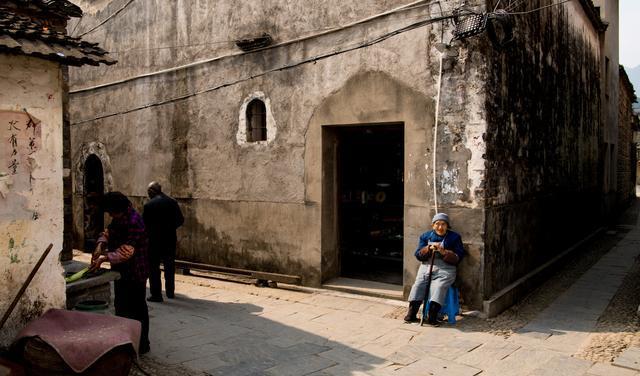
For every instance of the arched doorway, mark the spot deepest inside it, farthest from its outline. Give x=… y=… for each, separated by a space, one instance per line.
x=93 y=192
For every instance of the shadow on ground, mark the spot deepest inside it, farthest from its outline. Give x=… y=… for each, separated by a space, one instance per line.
x=227 y=338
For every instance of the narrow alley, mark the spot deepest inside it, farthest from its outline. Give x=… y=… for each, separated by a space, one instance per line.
x=581 y=322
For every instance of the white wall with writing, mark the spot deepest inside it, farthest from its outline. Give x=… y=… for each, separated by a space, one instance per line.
x=31 y=205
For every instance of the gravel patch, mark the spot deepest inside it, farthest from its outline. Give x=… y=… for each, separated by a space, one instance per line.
x=521 y=314
x=619 y=327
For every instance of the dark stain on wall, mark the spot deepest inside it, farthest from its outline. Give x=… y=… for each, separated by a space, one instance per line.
x=32 y=309
x=208 y=245
x=542 y=146
x=179 y=171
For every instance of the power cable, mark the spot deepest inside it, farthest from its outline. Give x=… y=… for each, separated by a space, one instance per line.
x=105 y=20
x=233 y=41
x=435 y=133
x=402 y=7
x=514 y=5
x=210 y=60
x=540 y=8
x=281 y=68
x=77 y=24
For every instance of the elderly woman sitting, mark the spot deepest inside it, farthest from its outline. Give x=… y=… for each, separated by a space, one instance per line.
x=448 y=249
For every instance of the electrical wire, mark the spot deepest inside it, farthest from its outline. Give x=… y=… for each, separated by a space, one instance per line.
x=105 y=20
x=277 y=69
x=77 y=24
x=435 y=133
x=412 y=5
x=514 y=5
x=540 y=8
x=210 y=60
x=233 y=41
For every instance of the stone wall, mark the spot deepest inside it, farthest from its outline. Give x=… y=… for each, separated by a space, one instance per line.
x=261 y=205
x=626 y=144
x=150 y=35
x=543 y=173
x=31 y=213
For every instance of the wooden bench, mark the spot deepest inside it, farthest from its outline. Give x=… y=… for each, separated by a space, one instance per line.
x=262 y=278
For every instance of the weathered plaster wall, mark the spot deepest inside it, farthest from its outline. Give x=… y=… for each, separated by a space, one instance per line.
x=609 y=81
x=154 y=34
x=260 y=205
x=543 y=111
x=627 y=147
x=31 y=215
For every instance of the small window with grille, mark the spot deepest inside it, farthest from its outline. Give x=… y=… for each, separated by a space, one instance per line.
x=256 y=121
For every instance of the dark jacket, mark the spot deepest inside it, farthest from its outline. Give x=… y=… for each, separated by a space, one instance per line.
x=452 y=241
x=162 y=216
x=130 y=231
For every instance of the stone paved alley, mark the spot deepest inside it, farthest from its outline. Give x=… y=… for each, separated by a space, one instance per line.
x=223 y=328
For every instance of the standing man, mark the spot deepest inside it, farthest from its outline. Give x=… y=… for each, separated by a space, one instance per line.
x=162 y=216
x=124 y=245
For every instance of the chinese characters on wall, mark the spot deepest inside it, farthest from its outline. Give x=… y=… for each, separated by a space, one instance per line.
x=21 y=138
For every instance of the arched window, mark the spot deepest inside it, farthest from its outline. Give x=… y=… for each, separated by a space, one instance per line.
x=256 y=121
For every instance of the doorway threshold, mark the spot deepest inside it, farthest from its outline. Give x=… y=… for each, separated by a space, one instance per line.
x=364 y=287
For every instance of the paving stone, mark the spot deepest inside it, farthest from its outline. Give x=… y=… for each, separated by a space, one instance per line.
x=488 y=354
x=630 y=358
x=538 y=332
x=300 y=366
x=429 y=365
x=449 y=348
x=406 y=355
x=340 y=370
x=565 y=366
x=520 y=362
x=206 y=362
x=341 y=354
x=379 y=310
x=179 y=355
x=249 y=367
x=303 y=349
x=308 y=313
x=600 y=369
x=568 y=342
x=285 y=341
x=253 y=351
x=388 y=343
x=201 y=339
x=371 y=360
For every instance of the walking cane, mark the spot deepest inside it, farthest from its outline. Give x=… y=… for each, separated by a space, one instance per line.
x=24 y=286
x=426 y=293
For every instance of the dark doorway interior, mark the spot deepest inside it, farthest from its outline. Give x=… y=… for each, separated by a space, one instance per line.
x=93 y=192
x=370 y=202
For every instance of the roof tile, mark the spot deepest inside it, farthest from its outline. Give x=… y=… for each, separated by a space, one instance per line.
x=23 y=35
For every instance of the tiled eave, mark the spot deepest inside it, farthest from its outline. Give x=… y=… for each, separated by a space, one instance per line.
x=23 y=35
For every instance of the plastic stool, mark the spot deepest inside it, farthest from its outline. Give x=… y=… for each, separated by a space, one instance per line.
x=451 y=306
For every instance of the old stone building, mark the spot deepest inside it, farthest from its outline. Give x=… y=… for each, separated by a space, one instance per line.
x=627 y=158
x=34 y=50
x=319 y=139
